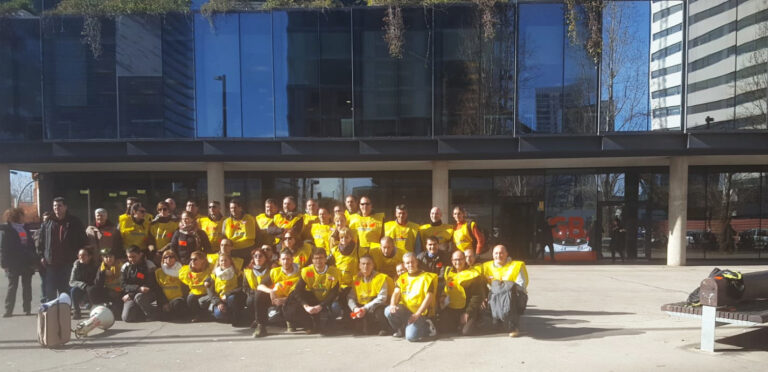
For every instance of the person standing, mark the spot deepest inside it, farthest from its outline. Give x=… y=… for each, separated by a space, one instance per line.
x=269 y=233
x=466 y=234
x=240 y=228
x=405 y=234
x=211 y=224
x=321 y=231
x=618 y=238
x=290 y=219
x=443 y=232
x=369 y=226
x=544 y=238
x=61 y=237
x=104 y=235
x=17 y=256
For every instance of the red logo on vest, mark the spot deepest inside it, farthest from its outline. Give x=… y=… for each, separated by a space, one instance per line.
x=140 y=275
x=183 y=243
x=107 y=233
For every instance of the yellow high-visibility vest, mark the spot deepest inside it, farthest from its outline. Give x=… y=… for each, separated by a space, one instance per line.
x=404 y=236
x=508 y=272
x=212 y=230
x=195 y=280
x=283 y=283
x=134 y=234
x=347 y=264
x=414 y=289
x=242 y=232
x=162 y=232
x=443 y=233
x=320 y=284
x=457 y=297
x=370 y=229
x=321 y=234
x=170 y=285
x=387 y=265
x=462 y=236
x=367 y=291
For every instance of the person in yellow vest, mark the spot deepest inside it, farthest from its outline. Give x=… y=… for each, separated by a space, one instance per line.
x=405 y=234
x=290 y=219
x=368 y=298
x=301 y=251
x=471 y=258
x=161 y=229
x=412 y=303
x=107 y=289
x=508 y=280
x=269 y=233
x=344 y=257
x=369 y=226
x=352 y=207
x=466 y=234
x=240 y=228
x=387 y=257
x=172 y=293
x=227 y=297
x=279 y=284
x=443 y=232
x=462 y=296
x=321 y=231
x=188 y=238
x=225 y=248
x=212 y=223
x=311 y=217
x=194 y=276
x=135 y=230
x=309 y=306
x=129 y=202
x=257 y=302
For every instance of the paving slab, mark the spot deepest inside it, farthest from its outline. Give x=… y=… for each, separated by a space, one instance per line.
x=580 y=318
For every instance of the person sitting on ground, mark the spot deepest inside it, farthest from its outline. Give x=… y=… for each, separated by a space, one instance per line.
x=301 y=251
x=344 y=257
x=18 y=259
x=104 y=235
x=188 y=238
x=81 y=280
x=412 y=303
x=106 y=289
x=227 y=298
x=279 y=284
x=171 y=298
x=161 y=230
x=194 y=276
x=139 y=287
x=432 y=259
x=508 y=280
x=462 y=296
x=257 y=302
x=225 y=248
x=309 y=306
x=368 y=299
x=387 y=257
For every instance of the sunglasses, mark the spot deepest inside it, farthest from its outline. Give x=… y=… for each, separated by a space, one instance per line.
x=167 y=257
x=365 y=203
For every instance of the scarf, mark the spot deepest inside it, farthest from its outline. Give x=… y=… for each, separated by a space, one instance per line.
x=225 y=274
x=173 y=270
x=19 y=230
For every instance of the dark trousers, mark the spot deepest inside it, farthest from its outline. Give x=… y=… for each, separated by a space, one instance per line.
x=541 y=252
x=178 y=310
x=449 y=321
x=13 y=286
x=233 y=306
x=373 y=322
x=258 y=305
x=56 y=280
x=294 y=313
x=140 y=308
x=107 y=297
x=198 y=305
x=78 y=296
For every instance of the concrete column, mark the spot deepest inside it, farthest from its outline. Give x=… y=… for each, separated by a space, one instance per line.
x=5 y=188
x=440 y=194
x=678 y=210
x=215 y=176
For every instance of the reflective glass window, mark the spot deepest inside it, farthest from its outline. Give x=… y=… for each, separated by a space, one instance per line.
x=217 y=76
x=178 y=45
x=79 y=90
x=256 y=66
x=665 y=63
x=20 y=74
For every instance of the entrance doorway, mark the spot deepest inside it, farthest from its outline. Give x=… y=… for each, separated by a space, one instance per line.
x=514 y=226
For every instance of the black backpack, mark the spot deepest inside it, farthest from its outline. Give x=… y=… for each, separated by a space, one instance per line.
x=735 y=285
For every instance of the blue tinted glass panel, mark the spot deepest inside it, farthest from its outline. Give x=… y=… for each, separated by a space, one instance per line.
x=20 y=74
x=624 y=104
x=217 y=77
x=79 y=90
x=393 y=97
x=178 y=76
x=579 y=84
x=256 y=65
x=335 y=74
x=540 y=65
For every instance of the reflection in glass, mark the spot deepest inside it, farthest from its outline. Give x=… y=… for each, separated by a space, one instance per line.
x=20 y=74
x=666 y=64
x=752 y=66
x=624 y=69
x=256 y=67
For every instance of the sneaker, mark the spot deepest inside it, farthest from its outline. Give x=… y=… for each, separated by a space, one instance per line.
x=383 y=333
x=398 y=334
x=432 y=329
x=260 y=331
x=289 y=327
x=515 y=332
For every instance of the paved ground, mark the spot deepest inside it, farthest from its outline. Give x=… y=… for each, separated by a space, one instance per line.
x=581 y=317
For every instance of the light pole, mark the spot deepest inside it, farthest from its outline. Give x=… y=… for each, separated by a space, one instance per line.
x=223 y=80
x=18 y=197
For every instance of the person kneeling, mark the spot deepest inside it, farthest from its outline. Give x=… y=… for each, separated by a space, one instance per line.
x=106 y=289
x=139 y=288
x=368 y=298
x=413 y=302
x=508 y=297
x=194 y=276
x=310 y=303
x=171 y=294
x=227 y=298
x=463 y=296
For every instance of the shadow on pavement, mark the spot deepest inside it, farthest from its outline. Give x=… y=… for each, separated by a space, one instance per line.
x=542 y=324
x=756 y=340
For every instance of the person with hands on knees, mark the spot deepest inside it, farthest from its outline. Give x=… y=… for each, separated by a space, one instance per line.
x=462 y=297
x=81 y=280
x=412 y=303
x=171 y=296
x=309 y=306
x=279 y=284
x=508 y=297
x=368 y=298
x=106 y=289
x=227 y=298
x=194 y=276
x=138 y=284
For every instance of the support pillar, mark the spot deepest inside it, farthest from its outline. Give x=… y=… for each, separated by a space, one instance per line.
x=215 y=177
x=5 y=188
x=440 y=193
x=678 y=210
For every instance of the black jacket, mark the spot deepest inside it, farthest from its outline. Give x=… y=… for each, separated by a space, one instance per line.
x=435 y=264
x=83 y=275
x=133 y=277
x=60 y=240
x=14 y=255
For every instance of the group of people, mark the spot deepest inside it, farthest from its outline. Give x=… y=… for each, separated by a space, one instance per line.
x=318 y=270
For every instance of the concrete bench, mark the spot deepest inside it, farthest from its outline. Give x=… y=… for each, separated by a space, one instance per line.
x=750 y=309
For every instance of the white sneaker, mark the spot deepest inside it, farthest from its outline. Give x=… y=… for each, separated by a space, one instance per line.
x=432 y=329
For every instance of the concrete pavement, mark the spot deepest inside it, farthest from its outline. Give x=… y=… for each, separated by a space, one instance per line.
x=580 y=318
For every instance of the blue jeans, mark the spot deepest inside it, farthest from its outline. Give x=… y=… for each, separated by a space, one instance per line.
x=414 y=331
x=56 y=280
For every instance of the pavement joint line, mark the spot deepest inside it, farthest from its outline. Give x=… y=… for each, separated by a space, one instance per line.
x=648 y=285
x=425 y=347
